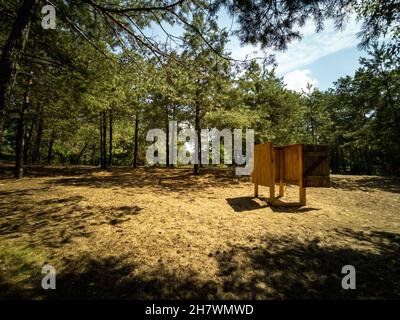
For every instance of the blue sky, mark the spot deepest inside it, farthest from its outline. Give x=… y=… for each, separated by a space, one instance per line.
x=329 y=68
x=319 y=58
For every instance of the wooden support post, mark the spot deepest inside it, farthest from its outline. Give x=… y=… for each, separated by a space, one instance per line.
x=272 y=192
x=281 y=189
x=255 y=190
x=281 y=172
x=272 y=173
x=302 y=196
x=302 y=190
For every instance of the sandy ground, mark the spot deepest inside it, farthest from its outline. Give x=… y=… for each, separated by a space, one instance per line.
x=164 y=233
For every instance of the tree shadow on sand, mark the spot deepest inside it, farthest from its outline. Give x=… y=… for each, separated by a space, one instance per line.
x=163 y=180
x=368 y=184
x=55 y=221
x=38 y=171
x=112 y=277
x=282 y=268
x=269 y=268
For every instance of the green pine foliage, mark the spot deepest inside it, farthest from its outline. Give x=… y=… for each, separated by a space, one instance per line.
x=101 y=63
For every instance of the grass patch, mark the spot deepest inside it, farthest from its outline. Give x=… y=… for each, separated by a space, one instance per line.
x=20 y=275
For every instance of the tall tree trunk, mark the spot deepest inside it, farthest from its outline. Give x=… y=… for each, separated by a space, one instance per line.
x=167 y=131
x=19 y=150
x=28 y=137
x=19 y=154
x=335 y=159
x=369 y=164
x=103 y=140
x=198 y=131
x=78 y=158
x=135 y=151
x=26 y=146
x=110 y=156
x=92 y=158
x=11 y=53
x=174 y=118
x=50 y=150
x=313 y=132
x=39 y=134
x=351 y=160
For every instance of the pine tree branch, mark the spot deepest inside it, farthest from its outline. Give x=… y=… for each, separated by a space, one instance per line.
x=138 y=9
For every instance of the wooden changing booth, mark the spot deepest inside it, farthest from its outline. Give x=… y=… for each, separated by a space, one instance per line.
x=304 y=165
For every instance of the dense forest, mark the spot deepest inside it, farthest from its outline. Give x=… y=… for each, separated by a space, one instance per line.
x=89 y=90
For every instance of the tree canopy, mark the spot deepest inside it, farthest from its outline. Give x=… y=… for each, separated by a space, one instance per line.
x=100 y=81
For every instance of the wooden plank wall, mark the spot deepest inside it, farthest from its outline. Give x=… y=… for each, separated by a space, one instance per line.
x=303 y=165
x=316 y=166
x=279 y=157
x=263 y=158
x=292 y=163
x=279 y=154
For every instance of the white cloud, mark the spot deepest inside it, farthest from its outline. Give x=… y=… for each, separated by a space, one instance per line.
x=317 y=45
x=243 y=52
x=297 y=80
x=312 y=47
